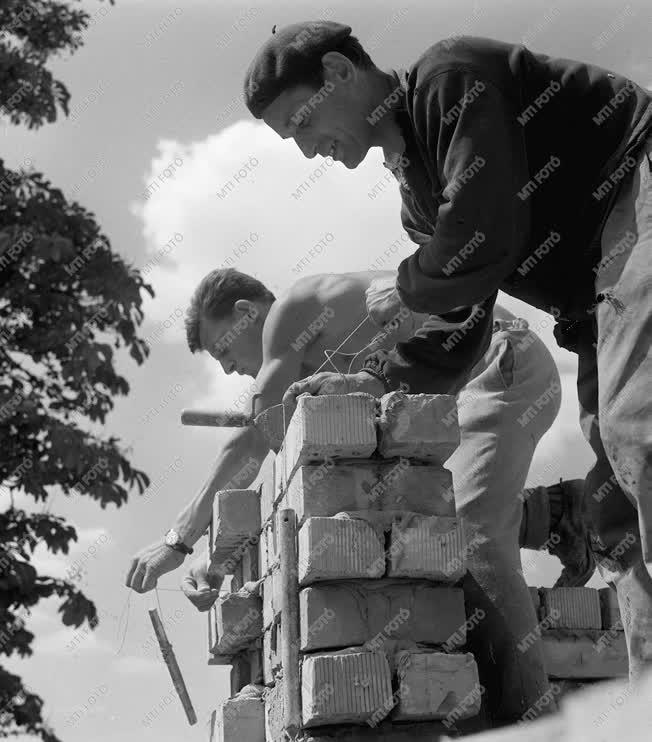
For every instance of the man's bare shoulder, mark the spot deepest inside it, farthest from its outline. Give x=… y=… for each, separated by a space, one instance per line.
x=291 y=311
x=303 y=302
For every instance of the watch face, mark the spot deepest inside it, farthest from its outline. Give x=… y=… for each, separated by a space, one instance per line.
x=171 y=538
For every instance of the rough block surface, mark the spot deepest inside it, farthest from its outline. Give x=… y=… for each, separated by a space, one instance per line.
x=422 y=426
x=338 y=548
x=236 y=523
x=434 y=685
x=328 y=488
x=587 y=654
x=239 y=622
x=610 y=609
x=241 y=718
x=345 y=688
x=571 y=608
x=271 y=654
x=271 y=592
x=371 y=611
x=330 y=426
x=432 y=548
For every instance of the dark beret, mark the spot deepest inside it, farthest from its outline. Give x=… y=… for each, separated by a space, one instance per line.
x=275 y=66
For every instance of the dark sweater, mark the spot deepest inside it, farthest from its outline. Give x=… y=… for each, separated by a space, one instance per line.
x=512 y=164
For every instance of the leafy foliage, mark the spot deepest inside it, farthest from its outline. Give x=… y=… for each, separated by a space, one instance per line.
x=67 y=302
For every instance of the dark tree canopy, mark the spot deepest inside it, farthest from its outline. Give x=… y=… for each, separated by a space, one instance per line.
x=67 y=302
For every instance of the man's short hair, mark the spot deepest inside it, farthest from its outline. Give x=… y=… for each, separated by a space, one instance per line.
x=307 y=70
x=215 y=296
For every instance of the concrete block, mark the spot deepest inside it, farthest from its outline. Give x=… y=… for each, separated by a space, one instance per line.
x=428 y=547
x=271 y=653
x=338 y=549
x=241 y=718
x=240 y=672
x=369 y=612
x=329 y=488
x=331 y=426
x=266 y=549
x=272 y=596
x=274 y=713
x=344 y=688
x=571 y=608
x=236 y=525
x=589 y=654
x=421 y=426
x=239 y=622
x=267 y=493
x=434 y=685
x=610 y=609
x=536 y=600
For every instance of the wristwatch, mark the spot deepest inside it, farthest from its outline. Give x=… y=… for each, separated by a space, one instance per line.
x=173 y=540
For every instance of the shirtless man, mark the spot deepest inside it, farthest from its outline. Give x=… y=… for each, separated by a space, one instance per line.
x=247 y=330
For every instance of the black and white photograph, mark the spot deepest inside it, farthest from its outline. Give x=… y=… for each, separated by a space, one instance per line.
x=325 y=371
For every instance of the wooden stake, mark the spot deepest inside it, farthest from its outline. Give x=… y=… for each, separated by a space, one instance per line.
x=173 y=666
x=290 y=622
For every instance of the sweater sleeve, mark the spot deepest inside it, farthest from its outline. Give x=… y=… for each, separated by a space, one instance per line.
x=475 y=147
x=438 y=358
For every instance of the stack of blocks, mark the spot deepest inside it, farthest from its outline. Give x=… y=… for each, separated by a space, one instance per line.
x=582 y=633
x=376 y=614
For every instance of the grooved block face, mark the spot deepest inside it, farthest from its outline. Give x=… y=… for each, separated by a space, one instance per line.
x=421 y=426
x=371 y=612
x=610 y=609
x=536 y=600
x=328 y=488
x=571 y=608
x=330 y=426
x=236 y=525
x=338 y=548
x=597 y=654
x=272 y=596
x=345 y=688
x=431 y=548
x=239 y=622
x=434 y=685
x=240 y=719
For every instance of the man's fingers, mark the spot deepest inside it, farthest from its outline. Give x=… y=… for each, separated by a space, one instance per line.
x=132 y=568
x=149 y=583
x=297 y=388
x=188 y=585
x=137 y=577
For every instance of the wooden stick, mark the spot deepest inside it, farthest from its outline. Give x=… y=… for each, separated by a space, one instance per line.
x=173 y=666
x=290 y=622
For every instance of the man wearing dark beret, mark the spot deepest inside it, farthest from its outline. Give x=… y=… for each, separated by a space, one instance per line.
x=517 y=172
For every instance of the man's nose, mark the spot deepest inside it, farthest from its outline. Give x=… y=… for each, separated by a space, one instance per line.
x=307 y=149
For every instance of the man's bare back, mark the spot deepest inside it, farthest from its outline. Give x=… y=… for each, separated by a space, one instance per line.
x=339 y=299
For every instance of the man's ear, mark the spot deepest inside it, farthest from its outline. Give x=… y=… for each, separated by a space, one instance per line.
x=338 y=68
x=244 y=306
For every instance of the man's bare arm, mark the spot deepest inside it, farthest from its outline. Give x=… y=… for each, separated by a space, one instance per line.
x=245 y=447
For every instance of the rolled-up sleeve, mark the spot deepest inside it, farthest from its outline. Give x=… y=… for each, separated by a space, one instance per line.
x=475 y=146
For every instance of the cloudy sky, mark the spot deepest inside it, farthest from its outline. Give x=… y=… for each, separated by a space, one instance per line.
x=159 y=83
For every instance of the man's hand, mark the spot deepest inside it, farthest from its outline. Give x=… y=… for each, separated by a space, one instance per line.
x=383 y=302
x=196 y=587
x=150 y=564
x=328 y=382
